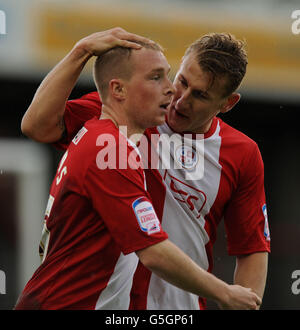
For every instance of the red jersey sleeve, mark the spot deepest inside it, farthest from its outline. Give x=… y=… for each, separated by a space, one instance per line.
x=120 y=198
x=77 y=112
x=246 y=221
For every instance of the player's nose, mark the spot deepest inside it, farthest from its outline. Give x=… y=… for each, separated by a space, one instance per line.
x=170 y=90
x=181 y=99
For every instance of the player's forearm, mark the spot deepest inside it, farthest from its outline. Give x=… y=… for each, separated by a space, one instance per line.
x=43 y=120
x=171 y=264
x=251 y=271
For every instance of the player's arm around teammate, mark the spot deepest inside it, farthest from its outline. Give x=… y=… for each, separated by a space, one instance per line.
x=246 y=273
x=164 y=258
x=167 y=261
x=43 y=120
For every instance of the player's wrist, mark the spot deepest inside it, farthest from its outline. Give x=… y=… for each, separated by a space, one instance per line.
x=82 y=51
x=222 y=294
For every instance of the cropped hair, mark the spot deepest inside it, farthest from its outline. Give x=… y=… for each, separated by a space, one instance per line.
x=222 y=55
x=115 y=63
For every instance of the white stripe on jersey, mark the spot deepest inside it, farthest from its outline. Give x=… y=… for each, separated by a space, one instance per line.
x=116 y=295
x=186 y=205
x=133 y=145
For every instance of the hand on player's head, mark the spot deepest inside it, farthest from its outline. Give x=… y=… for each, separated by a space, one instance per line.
x=100 y=42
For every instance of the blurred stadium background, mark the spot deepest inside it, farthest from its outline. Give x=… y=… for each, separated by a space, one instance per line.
x=40 y=32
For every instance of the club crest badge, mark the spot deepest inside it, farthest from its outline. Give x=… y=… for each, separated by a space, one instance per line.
x=186 y=156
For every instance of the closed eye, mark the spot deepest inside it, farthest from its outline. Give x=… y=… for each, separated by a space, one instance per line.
x=183 y=82
x=198 y=94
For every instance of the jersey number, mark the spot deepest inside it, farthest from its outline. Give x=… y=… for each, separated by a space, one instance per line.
x=61 y=170
x=44 y=242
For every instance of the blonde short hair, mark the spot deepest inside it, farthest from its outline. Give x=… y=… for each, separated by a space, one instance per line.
x=115 y=63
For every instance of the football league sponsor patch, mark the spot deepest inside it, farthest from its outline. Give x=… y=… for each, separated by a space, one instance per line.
x=266 y=228
x=79 y=135
x=146 y=216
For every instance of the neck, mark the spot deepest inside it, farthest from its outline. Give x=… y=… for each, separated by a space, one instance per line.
x=124 y=124
x=206 y=127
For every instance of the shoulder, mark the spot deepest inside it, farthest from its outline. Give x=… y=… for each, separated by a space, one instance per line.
x=90 y=102
x=235 y=138
x=93 y=130
x=239 y=154
x=92 y=96
x=101 y=128
x=104 y=136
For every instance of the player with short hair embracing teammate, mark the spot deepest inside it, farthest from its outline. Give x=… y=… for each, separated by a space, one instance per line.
x=190 y=199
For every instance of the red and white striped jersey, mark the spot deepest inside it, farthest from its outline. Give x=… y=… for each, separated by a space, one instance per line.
x=95 y=219
x=219 y=176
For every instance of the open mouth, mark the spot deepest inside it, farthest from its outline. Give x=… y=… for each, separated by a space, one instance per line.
x=179 y=114
x=165 y=105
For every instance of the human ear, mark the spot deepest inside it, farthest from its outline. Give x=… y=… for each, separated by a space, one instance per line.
x=232 y=100
x=117 y=89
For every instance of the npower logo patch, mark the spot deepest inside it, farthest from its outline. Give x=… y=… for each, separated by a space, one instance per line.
x=146 y=216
